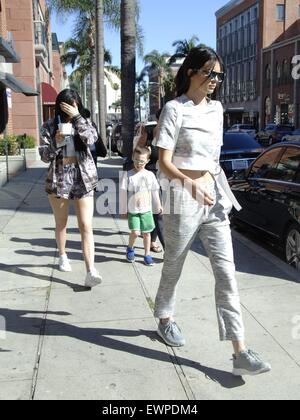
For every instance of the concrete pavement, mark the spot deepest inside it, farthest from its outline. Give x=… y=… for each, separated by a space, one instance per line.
x=59 y=341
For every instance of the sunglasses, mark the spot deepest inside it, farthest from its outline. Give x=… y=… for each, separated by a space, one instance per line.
x=140 y=162
x=212 y=75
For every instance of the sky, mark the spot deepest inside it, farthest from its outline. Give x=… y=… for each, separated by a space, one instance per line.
x=163 y=22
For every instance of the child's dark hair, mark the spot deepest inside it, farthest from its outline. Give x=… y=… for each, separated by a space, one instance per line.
x=142 y=151
x=195 y=60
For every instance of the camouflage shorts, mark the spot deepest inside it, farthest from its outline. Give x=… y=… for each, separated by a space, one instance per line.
x=73 y=186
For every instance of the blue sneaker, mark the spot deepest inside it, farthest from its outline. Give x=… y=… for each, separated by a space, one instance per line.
x=148 y=260
x=130 y=254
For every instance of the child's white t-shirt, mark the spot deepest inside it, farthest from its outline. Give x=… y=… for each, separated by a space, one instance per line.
x=141 y=188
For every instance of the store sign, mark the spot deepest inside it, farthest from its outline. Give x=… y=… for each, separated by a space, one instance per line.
x=284 y=97
x=8 y=95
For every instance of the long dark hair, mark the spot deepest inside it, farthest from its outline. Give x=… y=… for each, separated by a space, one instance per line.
x=69 y=96
x=195 y=60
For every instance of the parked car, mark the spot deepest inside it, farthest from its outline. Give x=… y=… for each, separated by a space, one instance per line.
x=238 y=152
x=294 y=136
x=273 y=134
x=269 y=192
x=243 y=128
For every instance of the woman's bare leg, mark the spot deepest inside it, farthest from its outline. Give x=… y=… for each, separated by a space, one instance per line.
x=85 y=211
x=60 y=208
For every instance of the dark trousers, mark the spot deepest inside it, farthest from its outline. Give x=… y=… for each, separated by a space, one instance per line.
x=159 y=229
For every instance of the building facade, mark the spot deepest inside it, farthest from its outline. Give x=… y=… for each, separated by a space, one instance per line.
x=281 y=74
x=246 y=29
x=8 y=82
x=38 y=66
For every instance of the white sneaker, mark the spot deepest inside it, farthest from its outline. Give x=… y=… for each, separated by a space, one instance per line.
x=64 y=264
x=92 y=278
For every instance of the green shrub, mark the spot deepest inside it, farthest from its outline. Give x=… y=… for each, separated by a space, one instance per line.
x=28 y=142
x=12 y=145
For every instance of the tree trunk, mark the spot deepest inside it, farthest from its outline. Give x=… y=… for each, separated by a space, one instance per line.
x=100 y=70
x=128 y=72
x=93 y=88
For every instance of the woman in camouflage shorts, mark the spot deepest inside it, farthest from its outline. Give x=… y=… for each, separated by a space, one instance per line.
x=72 y=176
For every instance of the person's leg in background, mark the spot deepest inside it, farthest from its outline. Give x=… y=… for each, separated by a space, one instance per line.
x=158 y=231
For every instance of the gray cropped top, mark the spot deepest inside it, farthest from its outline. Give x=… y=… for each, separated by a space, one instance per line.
x=200 y=136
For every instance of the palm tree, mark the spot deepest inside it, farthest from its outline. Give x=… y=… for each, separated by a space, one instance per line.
x=77 y=53
x=158 y=63
x=87 y=13
x=141 y=86
x=183 y=47
x=100 y=66
x=128 y=61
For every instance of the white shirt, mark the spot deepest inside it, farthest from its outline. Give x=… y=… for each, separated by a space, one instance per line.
x=142 y=192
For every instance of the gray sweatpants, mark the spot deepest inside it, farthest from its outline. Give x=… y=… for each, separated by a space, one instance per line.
x=186 y=219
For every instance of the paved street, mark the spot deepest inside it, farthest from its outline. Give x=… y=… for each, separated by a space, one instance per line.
x=61 y=341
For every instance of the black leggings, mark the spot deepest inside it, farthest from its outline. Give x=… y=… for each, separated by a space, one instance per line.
x=159 y=229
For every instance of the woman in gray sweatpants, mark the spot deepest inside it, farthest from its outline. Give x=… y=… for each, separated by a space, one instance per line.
x=190 y=136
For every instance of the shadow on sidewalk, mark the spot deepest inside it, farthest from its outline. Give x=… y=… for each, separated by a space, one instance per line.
x=18 y=322
x=74 y=250
x=242 y=253
x=21 y=271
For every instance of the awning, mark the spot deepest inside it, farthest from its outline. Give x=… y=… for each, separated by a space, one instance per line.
x=49 y=94
x=17 y=85
x=7 y=51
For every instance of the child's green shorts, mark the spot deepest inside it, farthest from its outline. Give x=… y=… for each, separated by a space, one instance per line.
x=141 y=222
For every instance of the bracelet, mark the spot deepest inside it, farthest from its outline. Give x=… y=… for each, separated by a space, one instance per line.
x=76 y=117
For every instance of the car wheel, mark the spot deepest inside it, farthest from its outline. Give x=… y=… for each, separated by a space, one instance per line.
x=292 y=246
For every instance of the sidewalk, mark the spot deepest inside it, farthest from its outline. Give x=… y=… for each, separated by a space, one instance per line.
x=63 y=342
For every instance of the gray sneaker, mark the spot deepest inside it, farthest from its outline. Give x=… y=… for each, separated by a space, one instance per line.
x=249 y=363
x=171 y=334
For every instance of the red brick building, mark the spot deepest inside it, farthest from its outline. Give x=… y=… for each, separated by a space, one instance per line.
x=246 y=30
x=8 y=82
x=280 y=90
x=38 y=66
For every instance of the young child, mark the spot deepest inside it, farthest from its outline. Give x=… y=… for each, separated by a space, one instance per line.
x=140 y=192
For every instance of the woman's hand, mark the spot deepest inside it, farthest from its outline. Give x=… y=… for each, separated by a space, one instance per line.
x=70 y=110
x=59 y=137
x=201 y=194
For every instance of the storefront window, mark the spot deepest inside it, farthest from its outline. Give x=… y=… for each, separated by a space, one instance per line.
x=3 y=109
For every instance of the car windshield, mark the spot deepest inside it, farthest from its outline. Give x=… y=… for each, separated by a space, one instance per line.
x=239 y=141
x=285 y=128
x=247 y=127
